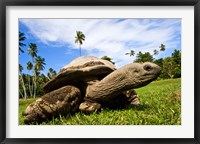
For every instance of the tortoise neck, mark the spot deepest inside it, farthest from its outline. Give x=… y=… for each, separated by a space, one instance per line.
x=108 y=87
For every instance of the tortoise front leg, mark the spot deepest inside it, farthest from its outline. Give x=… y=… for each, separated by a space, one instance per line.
x=58 y=102
x=132 y=98
x=89 y=106
x=124 y=99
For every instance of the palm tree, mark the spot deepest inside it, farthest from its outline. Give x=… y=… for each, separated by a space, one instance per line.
x=44 y=78
x=108 y=59
x=20 y=68
x=131 y=53
x=155 y=52
x=22 y=80
x=79 y=38
x=21 y=44
x=51 y=73
x=39 y=65
x=162 y=47
x=32 y=51
x=29 y=67
x=20 y=71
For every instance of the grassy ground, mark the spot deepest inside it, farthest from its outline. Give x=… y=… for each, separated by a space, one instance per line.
x=160 y=105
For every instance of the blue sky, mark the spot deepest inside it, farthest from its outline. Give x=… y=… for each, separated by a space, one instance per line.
x=110 y=37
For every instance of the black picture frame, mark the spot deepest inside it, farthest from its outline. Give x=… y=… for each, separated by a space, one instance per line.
x=5 y=3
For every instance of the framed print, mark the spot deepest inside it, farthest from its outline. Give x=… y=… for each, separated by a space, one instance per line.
x=99 y=71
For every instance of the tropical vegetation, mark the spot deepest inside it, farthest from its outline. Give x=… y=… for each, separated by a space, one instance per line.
x=30 y=85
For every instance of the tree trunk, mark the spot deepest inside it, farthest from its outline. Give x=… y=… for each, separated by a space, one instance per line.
x=80 y=48
x=32 y=89
x=23 y=86
x=34 y=81
x=20 y=94
x=29 y=85
x=35 y=85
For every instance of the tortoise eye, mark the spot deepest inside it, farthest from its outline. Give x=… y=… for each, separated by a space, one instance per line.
x=147 y=67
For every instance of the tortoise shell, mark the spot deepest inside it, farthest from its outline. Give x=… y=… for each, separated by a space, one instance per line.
x=79 y=71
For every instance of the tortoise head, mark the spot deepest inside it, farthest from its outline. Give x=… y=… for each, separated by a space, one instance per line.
x=142 y=74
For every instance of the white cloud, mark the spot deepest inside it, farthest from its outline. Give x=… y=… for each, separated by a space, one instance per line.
x=111 y=37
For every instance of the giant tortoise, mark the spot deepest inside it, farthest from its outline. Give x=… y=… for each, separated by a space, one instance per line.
x=88 y=84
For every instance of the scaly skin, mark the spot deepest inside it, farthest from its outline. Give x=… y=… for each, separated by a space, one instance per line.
x=59 y=102
x=128 y=77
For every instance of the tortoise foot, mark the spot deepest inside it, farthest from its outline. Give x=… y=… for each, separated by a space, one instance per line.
x=89 y=107
x=133 y=98
x=135 y=101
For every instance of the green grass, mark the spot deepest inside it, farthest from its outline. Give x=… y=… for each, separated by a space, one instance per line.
x=160 y=105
